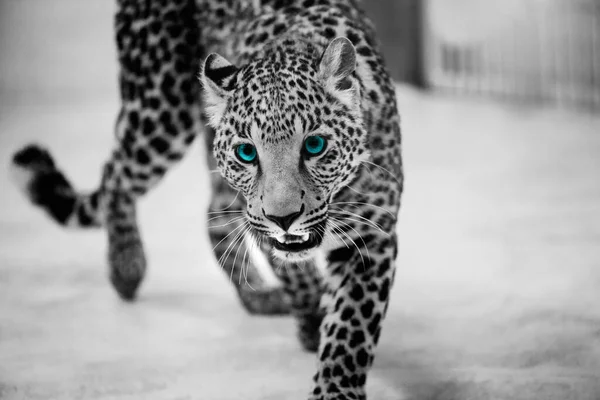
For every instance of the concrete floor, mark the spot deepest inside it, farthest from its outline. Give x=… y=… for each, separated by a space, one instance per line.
x=497 y=295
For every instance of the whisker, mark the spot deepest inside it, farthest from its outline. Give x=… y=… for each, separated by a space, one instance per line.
x=319 y=233
x=366 y=224
x=229 y=234
x=255 y=243
x=352 y=240
x=364 y=204
x=232 y=202
x=318 y=230
x=224 y=212
x=236 y=241
x=335 y=229
x=244 y=272
x=222 y=259
x=330 y=233
x=356 y=191
x=368 y=169
x=363 y=220
x=355 y=245
x=233 y=221
x=383 y=169
x=227 y=253
x=217 y=217
x=240 y=244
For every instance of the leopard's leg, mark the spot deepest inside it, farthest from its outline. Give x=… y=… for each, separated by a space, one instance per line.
x=359 y=281
x=126 y=257
x=303 y=284
x=159 y=57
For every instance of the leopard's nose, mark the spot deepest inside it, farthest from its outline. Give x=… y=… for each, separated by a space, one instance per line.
x=285 y=221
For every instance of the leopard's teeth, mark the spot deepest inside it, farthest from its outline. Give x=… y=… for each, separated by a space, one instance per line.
x=280 y=239
x=287 y=239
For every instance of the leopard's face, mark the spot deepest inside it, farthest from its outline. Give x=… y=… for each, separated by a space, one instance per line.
x=288 y=139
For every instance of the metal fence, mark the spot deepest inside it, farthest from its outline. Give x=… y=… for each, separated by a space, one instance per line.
x=547 y=51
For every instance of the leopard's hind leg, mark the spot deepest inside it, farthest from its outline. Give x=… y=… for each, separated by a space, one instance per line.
x=159 y=57
x=111 y=205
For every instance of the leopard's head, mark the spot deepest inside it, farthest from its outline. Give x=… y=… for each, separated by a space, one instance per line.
x=288 y=135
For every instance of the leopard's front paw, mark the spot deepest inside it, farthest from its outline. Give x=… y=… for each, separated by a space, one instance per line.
x=309 y=332
x=127 y=267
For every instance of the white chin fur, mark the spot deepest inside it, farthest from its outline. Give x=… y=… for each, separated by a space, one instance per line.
x=294 y=257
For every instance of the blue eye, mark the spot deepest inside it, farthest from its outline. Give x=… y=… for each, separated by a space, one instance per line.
x=246 y=152
x=314 y=145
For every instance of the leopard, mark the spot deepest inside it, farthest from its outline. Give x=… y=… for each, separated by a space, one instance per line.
x=299 y=117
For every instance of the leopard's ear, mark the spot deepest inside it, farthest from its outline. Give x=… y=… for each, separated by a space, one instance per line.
x=338 y=62
x=218 y=80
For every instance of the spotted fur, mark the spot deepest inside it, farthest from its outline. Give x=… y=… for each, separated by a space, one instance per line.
x=272 y=73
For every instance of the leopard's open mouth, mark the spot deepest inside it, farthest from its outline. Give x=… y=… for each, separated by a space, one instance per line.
x=295 y=243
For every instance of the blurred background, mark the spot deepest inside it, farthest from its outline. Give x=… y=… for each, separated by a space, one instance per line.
x=497 y=291
x=534 y=51
x=544 y=52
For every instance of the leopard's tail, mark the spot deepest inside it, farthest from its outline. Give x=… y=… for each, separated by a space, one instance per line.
x=36 y=174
